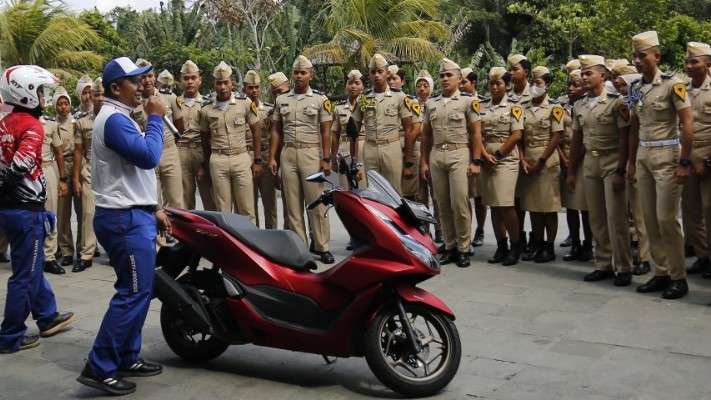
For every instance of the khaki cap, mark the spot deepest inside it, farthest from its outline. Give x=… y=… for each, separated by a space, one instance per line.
x=591 y=60
x=446 y=64
x=222 y=71
x=58 y=94
x=645 y=40
x=393 y=69
x=98 y=85
x=82 y=84
x=496 y=73
x=252 y=78
x=575 y=75
x=572 y=65
x=621 y=69
x=377 y=61
x=540 y=71
x=695 y=49
x=515 y=59
x=466 y=71
x=302 y=63
x=166 y=78
x=277 y=79
x=142 y=62
x=355 y=74
x=189 y=67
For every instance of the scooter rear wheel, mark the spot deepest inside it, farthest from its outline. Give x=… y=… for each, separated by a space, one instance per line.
x=186 y=342
x=392 y=360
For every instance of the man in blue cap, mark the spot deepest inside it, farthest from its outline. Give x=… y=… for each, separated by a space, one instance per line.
x=126 y=224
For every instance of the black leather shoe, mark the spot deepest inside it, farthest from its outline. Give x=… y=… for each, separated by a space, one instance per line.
x=623 y=279
x=141 y=368
x=463 y=260
x=513 y=255
x=689 y=251
x=67 y=261
x=700 y=265
x=501 y=250
x=449 y=256
x=4 y=258
x=642 y=268
x=545 y=254
x=598 y=275
x=478 y=238
x=28 y=342
x=82 y=265
x=530 y=250
x=574 y=251
x=60 y=323
x=656 y=284
x=114 y=386
x=676 y=290
x=326 y=257
x=51 y=267
x=586 y=251
x=567 y=242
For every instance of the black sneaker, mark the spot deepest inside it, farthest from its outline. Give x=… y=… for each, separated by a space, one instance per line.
x=82 y=265
x=51 y=267
x=326 y=257
x=60 y=322
x=141 y=368
x=28 y=342
x=113 y=386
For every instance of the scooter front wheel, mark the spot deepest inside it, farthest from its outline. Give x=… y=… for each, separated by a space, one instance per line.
x=391 y=357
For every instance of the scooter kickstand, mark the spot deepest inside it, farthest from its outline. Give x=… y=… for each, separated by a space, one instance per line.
x=329 y=361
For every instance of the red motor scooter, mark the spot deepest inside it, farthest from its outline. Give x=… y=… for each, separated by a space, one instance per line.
x=260 y=289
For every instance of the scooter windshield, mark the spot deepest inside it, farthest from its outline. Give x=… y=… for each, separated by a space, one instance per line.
x=379 y=189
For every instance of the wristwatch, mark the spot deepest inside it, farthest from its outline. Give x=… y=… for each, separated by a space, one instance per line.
x=258 y=161
x=684 y=162
x=408 y=164
x=477 y=161
x=327 y=159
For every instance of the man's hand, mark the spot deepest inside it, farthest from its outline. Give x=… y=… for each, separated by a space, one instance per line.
x=489 y=158
x=154 y=106
x=163 y=221
x=326 y=167
x=203 y=173
x=535 y=168
x=631 y=173
x=256 y=170
x=699 y=168
x=525 y=166
x=409 y=172
x=273 y=166
x=63 y=189
x=77 y=187
x=618 y=183
x=682 y=173
x=425 y=171
x=473 y=170
x=570 y=180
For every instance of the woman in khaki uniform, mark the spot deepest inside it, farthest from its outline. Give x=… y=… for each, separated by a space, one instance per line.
x=540 y=189
x=502 y=126
x=340 y=143
x=574 y=201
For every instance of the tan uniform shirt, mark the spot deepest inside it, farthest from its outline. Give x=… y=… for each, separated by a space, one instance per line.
x=301 y=116
x=656 y=106
x=66 y=133
x=228 y=123
x=84 y=125
x=701 y=102
x=540 y=123
x=191 y=117
x=264 y=111
x=524 y=97
x=599 y=118
x=381 y=114
x=51 y=139
x=172 y=110
x=450 y=117
x=499 y=120
x=567 y=137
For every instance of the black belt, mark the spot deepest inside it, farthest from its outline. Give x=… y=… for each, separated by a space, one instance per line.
x=149 y=209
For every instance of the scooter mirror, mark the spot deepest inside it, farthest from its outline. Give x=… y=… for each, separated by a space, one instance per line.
x=319 y=177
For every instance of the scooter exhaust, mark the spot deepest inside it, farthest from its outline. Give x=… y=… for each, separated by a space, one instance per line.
x=173 y=295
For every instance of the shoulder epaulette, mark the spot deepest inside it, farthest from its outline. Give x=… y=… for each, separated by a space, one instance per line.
x=240 y=97
x=667 y=75
x=49 y=118
x=206 y=102
x=483 y=98
x=341 y=102
x=465 y=94
x=524 y=103
x=613 y=95
x=268 y=104
x=413 y=97
x=395 y=90
x=553 y=101
x=317 y=92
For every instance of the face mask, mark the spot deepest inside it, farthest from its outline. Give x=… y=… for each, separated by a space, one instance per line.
x=537 y=91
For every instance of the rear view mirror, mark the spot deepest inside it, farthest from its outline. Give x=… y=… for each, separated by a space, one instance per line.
x=319 y=177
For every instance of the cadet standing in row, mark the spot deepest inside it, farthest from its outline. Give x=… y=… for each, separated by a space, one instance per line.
x=278 y=85
x=190 y=144
x=224 y=125
x=662 y=165
x=302 y=121
x=451 y=153
x=340 y=142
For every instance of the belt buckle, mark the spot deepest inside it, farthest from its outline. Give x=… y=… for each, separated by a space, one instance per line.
x=595 y=153
x=444 y=146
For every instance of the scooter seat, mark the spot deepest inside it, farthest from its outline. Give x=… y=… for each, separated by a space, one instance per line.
x=283 y=247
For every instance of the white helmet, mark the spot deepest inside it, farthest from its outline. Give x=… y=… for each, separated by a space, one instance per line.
x=19 y=84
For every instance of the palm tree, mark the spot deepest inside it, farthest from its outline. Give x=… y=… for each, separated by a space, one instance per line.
x=41 y=32
x=401 y=29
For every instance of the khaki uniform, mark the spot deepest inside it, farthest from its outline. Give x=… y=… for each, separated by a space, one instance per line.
x=524 y=97
x=570 y=200
x=51 y=173
x=192 y=157
x=341 y=114
x=265 y=185
x=541 y=192
x=381 y=115
x=449 y=118
x=498 y=183
x=84 y=126
x=697 y=191
x=300 y=116
x=599 y=119
x=168 y=172
x=230 y=162
x=411 y=186
x=66 y=131
x=638 y=231
x=657 y=161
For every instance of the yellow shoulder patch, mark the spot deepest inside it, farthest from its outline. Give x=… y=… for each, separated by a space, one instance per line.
x=179 y=102
x=558 y=113
x=680 y=90
x=476 y=106
x=412 y=105
x=253 y=107
x=328 y=106
x=517 y=112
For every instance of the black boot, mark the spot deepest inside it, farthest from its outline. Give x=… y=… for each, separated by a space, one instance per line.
x=502 y=248
x=656 y=284
x=574 y=251
x=586 y=251
x=513 y=255
x=530 y=250
x=546 y=253
x=449 y=256
x=677 y=289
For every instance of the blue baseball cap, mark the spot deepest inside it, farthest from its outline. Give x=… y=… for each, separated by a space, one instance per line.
x=122 y=67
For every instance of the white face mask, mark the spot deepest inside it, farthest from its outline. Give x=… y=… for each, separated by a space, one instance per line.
x=538 y=91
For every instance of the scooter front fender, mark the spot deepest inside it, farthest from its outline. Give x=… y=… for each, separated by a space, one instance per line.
x=413 y=294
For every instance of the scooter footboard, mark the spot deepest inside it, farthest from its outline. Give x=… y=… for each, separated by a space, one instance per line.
x=413 y=294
